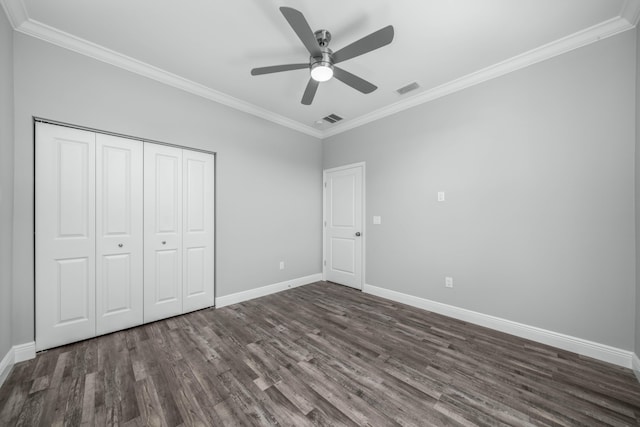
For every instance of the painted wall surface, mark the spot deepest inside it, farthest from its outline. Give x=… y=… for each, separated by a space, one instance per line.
x=538 y=170
x=268 y=178
x=637 y=182
x=6 y=180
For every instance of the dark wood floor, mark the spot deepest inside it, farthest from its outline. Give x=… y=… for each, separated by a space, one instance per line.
x=321 y=354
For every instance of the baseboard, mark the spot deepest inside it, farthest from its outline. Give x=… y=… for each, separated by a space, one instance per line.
x=26 y=351
x=6 y=364
x=581 y=346
x=635 y=365
x=16 y=354
x=266 y=290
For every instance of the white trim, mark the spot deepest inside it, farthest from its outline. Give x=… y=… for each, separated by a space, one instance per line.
x=266 y=290
x=6 y=364
x=16 y=12
x=582 y=38
x=581 y=346
x=362 y=165
x=26 y=351
x=635 y=365
x=68 y=41
x=18 y=16
x=16 y=354
x=631 y=12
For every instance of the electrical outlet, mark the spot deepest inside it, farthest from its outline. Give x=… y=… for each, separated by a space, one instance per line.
x=441 y=196
x=448 y=282
x=281 y=265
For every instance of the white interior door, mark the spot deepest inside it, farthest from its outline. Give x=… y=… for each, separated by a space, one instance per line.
x=162 y=231
x=343 y=225
x=119 y=233
x=197 y=237
x=65 y=235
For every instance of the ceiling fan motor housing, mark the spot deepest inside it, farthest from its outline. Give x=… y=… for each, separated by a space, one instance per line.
x=326 y=60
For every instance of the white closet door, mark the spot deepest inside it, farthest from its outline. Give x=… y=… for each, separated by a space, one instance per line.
x=65 y=235
x=162 y=231
x=119 y=233
x=197 y=277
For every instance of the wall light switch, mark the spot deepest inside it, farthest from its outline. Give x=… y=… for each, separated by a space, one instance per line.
x=441 y=196
x=448 y=282
x=281 y=265
x=377 y=220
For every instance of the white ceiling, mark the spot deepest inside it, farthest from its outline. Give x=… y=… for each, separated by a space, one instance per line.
x=208 y=47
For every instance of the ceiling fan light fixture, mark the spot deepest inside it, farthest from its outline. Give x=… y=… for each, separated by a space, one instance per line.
x=321 y=71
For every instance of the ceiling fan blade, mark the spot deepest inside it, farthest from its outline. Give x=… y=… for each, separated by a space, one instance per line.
x=277 y=69
x=373 y=41
x=354 y=81
x=310 y=92
x=300 y=25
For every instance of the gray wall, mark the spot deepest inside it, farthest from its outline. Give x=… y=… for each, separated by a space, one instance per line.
x=269 y=178
x=637 y=181
x=6 y=180
x=538 y=170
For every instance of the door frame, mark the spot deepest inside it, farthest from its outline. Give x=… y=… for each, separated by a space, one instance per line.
x=362 y=165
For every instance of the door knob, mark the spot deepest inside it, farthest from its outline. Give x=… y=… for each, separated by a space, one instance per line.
x=357 y=234
x=164 y=242
x=119 y=245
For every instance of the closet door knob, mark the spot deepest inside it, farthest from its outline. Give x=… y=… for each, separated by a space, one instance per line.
x=164 y=242
x=120 y=245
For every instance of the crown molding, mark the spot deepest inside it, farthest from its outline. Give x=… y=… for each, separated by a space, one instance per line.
x=582 y=38
x=16 y=12
x=68 y=41
x=18 y=16
x=631 y=12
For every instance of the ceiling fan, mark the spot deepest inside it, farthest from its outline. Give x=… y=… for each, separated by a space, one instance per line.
x=322 y=60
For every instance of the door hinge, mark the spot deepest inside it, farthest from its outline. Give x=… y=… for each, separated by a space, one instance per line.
x=325 y=223
x=325 y=185
x=325 y=262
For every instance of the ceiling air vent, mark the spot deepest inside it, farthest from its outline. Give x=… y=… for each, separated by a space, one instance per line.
x=408 y=88
x=332 y=118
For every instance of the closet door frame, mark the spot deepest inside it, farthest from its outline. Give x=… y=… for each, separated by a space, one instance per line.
x=36 y=120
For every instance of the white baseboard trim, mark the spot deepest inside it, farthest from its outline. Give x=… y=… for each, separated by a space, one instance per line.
x=26 y=351
x=581 y=346
x=635 y=365
x=16 y=354
x=266 y=290
x=6 y=364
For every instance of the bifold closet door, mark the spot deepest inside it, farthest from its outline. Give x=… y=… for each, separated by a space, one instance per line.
x=119 y=233
x=197 y=240
x=65 y=235
x=124 y=233
x=162 y=231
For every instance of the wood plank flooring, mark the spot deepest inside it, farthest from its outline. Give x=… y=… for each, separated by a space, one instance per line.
x=321 y=354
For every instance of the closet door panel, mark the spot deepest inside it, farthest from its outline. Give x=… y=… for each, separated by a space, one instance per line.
x=162 y=231
x=119 y=223
x=198 y=230
x=65 y=235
